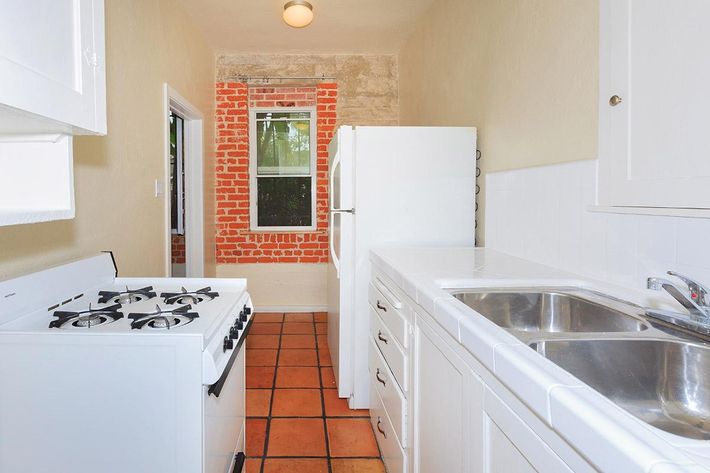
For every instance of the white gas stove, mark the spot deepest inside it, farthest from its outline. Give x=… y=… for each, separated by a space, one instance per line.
x=107 y=374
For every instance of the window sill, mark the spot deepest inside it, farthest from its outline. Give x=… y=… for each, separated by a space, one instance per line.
x=288 y=231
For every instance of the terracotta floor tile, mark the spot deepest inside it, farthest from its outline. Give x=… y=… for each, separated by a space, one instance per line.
x=297 y=403
x=297 y=438
x=296 y=465
x=358 y=466
x=299 y=317
x=322 y=329
x=297 y=341
x=320 y=316
x=261 y=357
x=265 y=329
x=297 y=377
x=260 y=376
x=298 y=327
x=324 y=358
x=252 y=465
x=261 y=317
x=262 y=341
x=338 y=407
x=298 y=357
x=258 y=402
x=328 y=377
x=351 y=438
x=322 y=341
x=256 y=434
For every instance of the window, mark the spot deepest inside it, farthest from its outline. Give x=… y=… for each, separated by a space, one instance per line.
x=282 y=169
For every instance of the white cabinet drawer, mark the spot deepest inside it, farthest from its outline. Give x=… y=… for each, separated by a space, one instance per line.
x=392 y=453
x=392 y=353
x=389 y=307
x=392 y=397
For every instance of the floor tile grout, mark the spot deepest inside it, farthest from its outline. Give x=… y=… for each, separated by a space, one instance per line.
x=317 y=349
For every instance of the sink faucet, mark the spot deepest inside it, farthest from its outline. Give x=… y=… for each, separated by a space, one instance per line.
x=695 y=299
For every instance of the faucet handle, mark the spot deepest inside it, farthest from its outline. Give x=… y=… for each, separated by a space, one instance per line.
x=698 y=292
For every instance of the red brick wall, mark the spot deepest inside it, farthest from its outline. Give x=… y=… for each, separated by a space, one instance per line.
x=235 y=242
x=177 y=249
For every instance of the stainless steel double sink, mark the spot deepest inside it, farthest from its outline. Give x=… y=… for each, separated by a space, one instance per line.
x=657 y=373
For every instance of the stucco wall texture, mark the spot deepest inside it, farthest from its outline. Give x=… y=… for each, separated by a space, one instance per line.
x=368 y=85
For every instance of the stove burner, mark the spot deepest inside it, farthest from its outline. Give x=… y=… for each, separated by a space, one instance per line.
x=128 y=296
x=184 y=297
x=86 y=318
x=163 y=319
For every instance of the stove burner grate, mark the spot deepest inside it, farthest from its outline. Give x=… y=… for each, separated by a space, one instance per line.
x=86 y=318
x=189 y=297
x=129 y=296
x=163 y=319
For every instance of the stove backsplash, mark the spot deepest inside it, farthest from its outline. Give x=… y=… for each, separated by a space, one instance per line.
x=541 y=214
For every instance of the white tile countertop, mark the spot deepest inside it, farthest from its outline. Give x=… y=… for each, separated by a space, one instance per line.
x=602 y=432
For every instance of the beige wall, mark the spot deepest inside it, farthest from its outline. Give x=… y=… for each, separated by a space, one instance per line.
x=367 y=84
x=525 y=72
x=148 y=42
x=367 y=95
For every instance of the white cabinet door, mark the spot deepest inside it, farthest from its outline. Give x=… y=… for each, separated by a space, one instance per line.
x=448 y=412
x=654 y=147
x=503 y=455
x=52 y=66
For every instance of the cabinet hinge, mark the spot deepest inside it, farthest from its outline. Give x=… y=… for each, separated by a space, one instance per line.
x=91 y=58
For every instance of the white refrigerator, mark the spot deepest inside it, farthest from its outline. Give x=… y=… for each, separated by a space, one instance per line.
x=389 y=185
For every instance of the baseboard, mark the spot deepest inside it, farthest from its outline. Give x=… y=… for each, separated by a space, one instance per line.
x=290 y=308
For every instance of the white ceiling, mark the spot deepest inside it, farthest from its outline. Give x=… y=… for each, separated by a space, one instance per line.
x=339 y=26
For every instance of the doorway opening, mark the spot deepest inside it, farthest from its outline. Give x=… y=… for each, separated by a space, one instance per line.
x=184 y=223
x=177 y=195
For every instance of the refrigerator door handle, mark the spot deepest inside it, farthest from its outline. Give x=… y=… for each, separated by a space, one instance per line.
x=333 y=256
x=342 y=211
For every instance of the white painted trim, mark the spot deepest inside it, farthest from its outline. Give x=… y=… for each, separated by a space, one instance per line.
x=290 y=308
x=658 y=211
x=253 y=221
x=194 y=182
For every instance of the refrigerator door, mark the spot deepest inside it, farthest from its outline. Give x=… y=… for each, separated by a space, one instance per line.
x=340 y=269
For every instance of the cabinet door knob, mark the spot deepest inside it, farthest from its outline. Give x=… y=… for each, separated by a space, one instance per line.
x=380 y=306
x=614 y=100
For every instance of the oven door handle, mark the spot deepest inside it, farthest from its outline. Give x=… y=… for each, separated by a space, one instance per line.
x=216 y=388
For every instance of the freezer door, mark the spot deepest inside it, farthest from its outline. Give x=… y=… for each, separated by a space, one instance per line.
x=340 y=269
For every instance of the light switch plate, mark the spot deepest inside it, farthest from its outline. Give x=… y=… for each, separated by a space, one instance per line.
x=159 y=190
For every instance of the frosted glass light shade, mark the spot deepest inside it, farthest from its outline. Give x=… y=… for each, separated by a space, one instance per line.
x=298 y=13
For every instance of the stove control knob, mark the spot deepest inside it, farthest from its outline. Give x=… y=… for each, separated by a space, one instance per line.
x=228 y=344
x=243 y=316
x=238 y=324
x=247 y=310
x=234 y=333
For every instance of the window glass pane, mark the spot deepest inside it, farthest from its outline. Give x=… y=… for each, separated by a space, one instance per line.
x=283 y=115
x=284 y=201
x=283 y=147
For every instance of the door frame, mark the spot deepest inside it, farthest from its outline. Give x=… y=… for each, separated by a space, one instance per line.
x=194 y=182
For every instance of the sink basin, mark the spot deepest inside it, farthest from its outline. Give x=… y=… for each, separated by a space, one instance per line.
x=547 y=311
x=663 y=383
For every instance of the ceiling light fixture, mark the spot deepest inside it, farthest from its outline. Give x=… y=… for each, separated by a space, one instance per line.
x=298 y=13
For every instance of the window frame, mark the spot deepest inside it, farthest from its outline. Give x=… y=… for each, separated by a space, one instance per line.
x=253 y=194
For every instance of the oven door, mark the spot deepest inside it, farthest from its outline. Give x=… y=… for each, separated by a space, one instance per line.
x=223 y=419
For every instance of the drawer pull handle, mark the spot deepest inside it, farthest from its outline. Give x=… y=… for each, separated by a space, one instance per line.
x=377 y=375
x=379 y=335
x=379 y=429
x=380 y=306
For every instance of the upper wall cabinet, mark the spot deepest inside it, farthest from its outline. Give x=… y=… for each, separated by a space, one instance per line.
x=654 y=141
x=52 y=74
x=52 y=86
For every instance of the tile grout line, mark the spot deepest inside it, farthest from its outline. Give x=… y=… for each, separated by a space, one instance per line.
x=322 y=396
x=265 y=450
